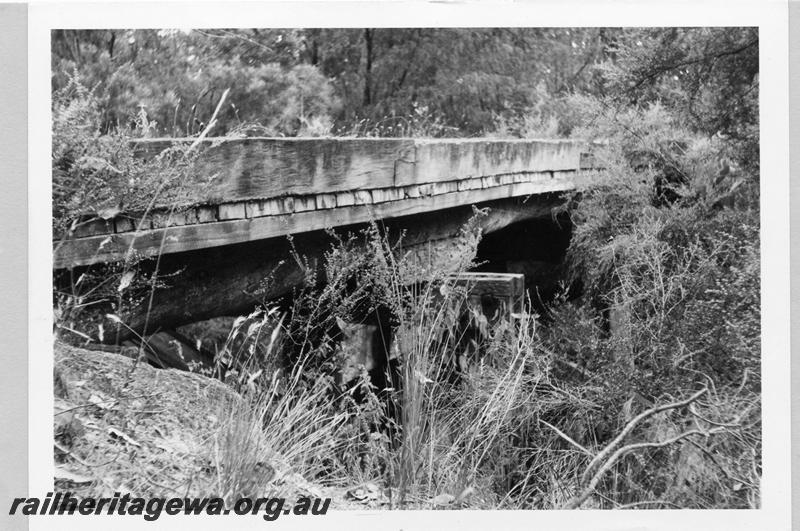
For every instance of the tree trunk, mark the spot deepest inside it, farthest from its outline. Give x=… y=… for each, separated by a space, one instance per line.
x=368 y=35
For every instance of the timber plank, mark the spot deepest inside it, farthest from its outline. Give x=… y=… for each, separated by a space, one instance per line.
x=260 y=168
x=191 y=237
x=363 y=197
x=232 y=211
x=425 y=189
x=93 y=227
x=326 y=201
x=386 y=194
x=305 y=203
x=506 y=287
x=123 y=224
x=469 y=184
x=344 y=199
x=161 y=219
x=497 y=284
x=410 y=192
x=128 y=223
x=453 y=159
x=268 y=207
x=206 y=214
x=248 y=169
x=446 y=187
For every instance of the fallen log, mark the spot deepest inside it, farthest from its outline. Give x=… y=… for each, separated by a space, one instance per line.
x=166 y=349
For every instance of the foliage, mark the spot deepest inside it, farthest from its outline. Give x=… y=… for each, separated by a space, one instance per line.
x=312 y=81
x=666 y=249
x=187 y=73
x=708 y=76
x=97 y=175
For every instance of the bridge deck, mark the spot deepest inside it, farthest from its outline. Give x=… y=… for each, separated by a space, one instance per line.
x=264 y=187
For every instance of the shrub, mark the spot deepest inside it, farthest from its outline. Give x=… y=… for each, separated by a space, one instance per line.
x=670 y=303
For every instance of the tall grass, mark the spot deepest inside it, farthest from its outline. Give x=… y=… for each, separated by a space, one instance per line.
x=448 y=429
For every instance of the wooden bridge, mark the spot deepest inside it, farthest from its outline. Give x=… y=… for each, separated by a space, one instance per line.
x=220 y=242
x=263 y=188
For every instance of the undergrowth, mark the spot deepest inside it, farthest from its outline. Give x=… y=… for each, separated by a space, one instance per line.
x=447 y=428
x=100 y=177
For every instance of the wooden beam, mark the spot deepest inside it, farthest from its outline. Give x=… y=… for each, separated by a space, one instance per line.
x=506 y=289
x=263 y=168
x=232 y=280
x=115 y=247
x=455 y=159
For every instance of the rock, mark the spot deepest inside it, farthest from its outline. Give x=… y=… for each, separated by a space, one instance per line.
x=443 y=500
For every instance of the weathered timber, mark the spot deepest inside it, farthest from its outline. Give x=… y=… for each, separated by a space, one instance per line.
x=454 y=159
x=262 y=168
x=168 y=349
x=206 y=214
x=360 y=346
x=232 y=211
x=505 y=291
x=175 y=218
x=232 y=280
x=237 y=228
x=125 y=224
x=92 y=227
x=263 y=177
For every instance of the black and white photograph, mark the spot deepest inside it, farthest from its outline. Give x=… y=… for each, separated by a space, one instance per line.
x=492 y=268
x=312 y=270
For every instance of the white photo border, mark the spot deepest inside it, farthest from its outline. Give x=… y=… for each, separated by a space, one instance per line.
x=769 y=16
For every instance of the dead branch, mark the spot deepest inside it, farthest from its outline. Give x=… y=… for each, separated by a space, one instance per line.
x=602 y=456
x=578 y=500
x=648 y=502
x=566 y=437
x=211 y=123
x=81 y=461
x=736 y=424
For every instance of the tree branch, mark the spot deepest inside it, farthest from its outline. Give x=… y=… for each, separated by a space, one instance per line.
x=578 y=500
x=663 y=69
x=566 y=437
x=605 y=452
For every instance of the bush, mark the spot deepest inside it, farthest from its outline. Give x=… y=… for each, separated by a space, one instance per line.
x=670 y=304
x=100 y=175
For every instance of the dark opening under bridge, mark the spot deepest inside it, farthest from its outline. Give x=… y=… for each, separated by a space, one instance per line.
x=264 y=189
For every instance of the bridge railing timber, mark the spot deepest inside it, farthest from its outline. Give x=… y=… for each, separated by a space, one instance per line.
x=268 y=187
